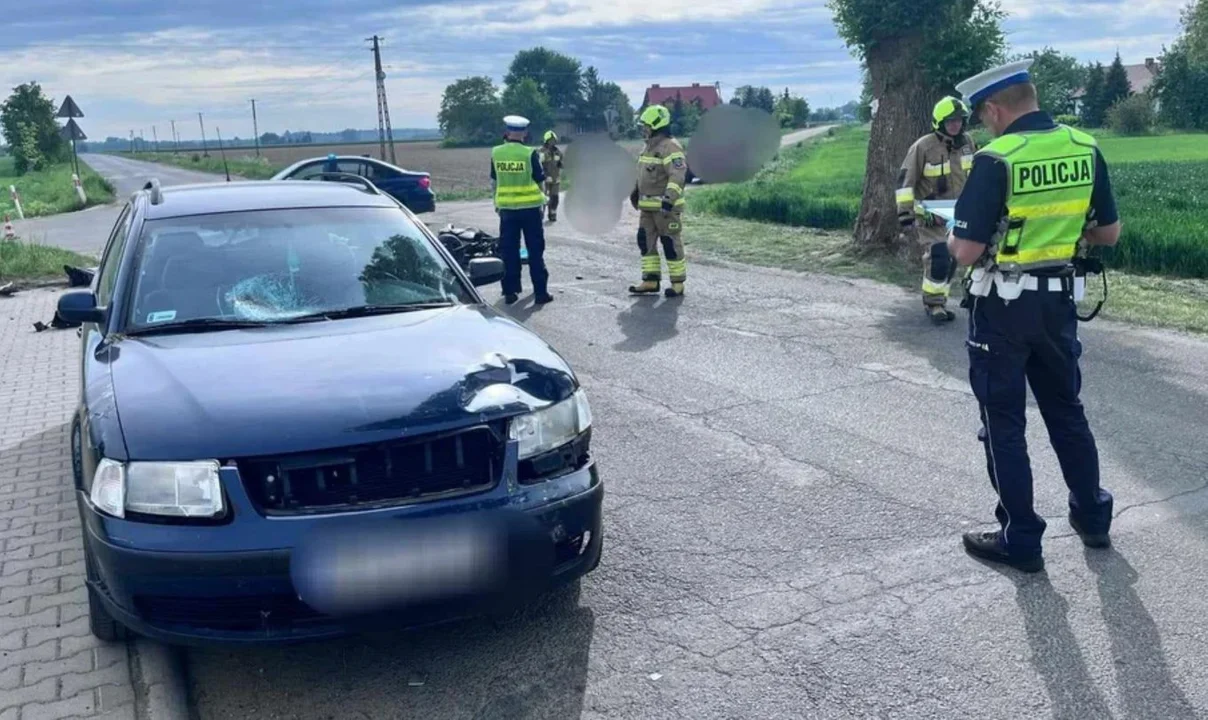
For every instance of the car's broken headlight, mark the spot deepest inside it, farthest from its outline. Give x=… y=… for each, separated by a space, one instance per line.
x=174 y=489
x=552 y=427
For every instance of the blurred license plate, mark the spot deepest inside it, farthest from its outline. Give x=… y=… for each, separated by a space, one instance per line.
x=359 y=570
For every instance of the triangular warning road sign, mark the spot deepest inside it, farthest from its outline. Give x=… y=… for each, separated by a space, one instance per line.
x=69 y=109
x=71 y=131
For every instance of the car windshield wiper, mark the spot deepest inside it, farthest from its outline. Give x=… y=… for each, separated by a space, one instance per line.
x=367 y=310
x=199 y=325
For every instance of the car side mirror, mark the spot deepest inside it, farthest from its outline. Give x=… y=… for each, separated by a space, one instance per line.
x=80 y=307
x=485 y=271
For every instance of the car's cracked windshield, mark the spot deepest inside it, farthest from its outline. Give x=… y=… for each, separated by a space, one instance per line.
x=282 y=265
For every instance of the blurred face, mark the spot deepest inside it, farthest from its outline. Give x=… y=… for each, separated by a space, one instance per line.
x=952 y=126
x=646 y=131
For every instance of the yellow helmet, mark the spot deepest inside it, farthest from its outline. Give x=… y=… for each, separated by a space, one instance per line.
x=656 y=117
x=946 y=109
x=549 y=135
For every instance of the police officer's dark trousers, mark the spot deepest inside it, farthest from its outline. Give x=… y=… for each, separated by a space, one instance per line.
x=1033 y=340
x=513 y=224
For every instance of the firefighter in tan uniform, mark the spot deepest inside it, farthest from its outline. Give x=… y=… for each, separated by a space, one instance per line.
x=659 y=196
x=551 y=163
x=935 y=169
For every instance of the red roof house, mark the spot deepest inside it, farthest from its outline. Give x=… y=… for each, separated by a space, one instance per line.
x=709 y=96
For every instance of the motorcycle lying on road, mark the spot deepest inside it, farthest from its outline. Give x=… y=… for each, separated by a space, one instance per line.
x=467 y=243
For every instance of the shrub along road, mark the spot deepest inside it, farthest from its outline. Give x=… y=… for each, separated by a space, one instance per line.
x=789 y=462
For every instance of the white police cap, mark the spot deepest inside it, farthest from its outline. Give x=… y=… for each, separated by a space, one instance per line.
x=516 y=122
x=979 y=87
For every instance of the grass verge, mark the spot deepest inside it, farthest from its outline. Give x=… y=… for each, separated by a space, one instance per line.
x=50 y=191
x=244 y=166
x=1138 y=299
x=25 y=261
x=1160 y=183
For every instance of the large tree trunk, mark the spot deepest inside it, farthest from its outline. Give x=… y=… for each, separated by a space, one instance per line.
x=904 y=104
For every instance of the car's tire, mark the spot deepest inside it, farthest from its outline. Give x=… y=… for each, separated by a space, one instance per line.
x=103 y=625
x=77 y=454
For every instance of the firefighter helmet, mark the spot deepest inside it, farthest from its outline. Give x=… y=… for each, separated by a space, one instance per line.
x=656 y=117
x=947 y=109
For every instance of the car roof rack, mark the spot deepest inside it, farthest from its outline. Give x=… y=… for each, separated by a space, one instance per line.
x=345 y=177
x=157 y=195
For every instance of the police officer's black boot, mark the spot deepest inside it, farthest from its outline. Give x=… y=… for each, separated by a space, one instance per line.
x=988 y=545
x=1091 y=540
x=940 y=315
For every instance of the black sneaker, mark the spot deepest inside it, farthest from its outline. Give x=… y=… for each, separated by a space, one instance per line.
x=543 y=299
x=987 y=545
x=511 y=298
x=1091 y=540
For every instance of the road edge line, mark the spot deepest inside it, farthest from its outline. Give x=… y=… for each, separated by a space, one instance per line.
x=157 y=674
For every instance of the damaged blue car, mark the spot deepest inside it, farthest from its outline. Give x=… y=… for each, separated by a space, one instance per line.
x=298 y=418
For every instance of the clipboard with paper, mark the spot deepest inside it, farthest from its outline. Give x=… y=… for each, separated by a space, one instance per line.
x=943 y=210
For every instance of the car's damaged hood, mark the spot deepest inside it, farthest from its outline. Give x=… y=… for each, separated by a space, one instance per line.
x=327 y=384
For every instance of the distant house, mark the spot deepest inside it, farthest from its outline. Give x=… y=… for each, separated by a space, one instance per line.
x=708 y=96
x=1140 y=77
x=566 y=125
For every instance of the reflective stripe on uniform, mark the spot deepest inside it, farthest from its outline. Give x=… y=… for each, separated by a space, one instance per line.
x=677 y=270
x=656 y=160
x=933 y=288
x=655 y=202
x=905 y=196
x=673 y=186
x=966 y=162
x=933 y=171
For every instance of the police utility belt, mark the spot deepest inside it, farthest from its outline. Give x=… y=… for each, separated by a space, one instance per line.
x=1009 y=286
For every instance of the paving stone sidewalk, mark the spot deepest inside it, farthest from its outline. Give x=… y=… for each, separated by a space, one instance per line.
x=50 y=664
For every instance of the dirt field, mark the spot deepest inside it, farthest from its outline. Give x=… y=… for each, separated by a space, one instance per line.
x=453 y=170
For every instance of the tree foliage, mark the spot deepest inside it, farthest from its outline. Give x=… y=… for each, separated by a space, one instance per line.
x=598 y=98
x=559 y=76
x=960 y=38
x=1181 y=87
x=526 y=98
x=27 y=118
x=470 y=112
x=792 y=111
x=1116 y=86
x=1131 y=116
x=749 y=96
x=1094 y=107
x=1057 y=77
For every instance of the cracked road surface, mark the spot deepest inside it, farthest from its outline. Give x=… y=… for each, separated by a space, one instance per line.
x=789 y=461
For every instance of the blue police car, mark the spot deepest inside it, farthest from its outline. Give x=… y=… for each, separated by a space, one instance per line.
x=411 y=188
x=298 y=418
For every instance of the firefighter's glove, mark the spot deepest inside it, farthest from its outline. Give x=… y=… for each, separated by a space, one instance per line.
x=633 y=198
x=668 y=204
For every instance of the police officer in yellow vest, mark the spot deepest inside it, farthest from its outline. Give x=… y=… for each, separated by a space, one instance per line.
x=516 y=177
x=935 y=168
x=1033 y=194
x=658 y=195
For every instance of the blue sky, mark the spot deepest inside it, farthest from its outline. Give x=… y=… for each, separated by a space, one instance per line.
x=132 y=64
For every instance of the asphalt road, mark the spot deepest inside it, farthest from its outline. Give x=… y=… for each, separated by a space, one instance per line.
x=86 y=231
x=789 y=461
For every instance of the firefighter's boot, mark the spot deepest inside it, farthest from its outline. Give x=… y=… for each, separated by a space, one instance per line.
x=676 y=290
x=647 y=287
x=940 y=315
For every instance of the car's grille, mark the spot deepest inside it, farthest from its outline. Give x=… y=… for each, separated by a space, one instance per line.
x=230 y=614
x=419 y=469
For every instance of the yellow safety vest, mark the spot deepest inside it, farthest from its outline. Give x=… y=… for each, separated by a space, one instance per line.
x=514 y=185
x=1051 y=175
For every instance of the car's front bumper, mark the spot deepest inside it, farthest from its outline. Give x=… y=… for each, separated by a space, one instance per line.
x=232 y=584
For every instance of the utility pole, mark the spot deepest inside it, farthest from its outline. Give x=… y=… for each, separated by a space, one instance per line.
x=155 y=137
x=255 y=127
x=131 y=140
x=175 y=139
x=204 y=152
x=384 y=131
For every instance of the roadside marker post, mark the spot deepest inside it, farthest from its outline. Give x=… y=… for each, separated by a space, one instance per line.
x=9 y=233
x=16 y=201
x=79 y=189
